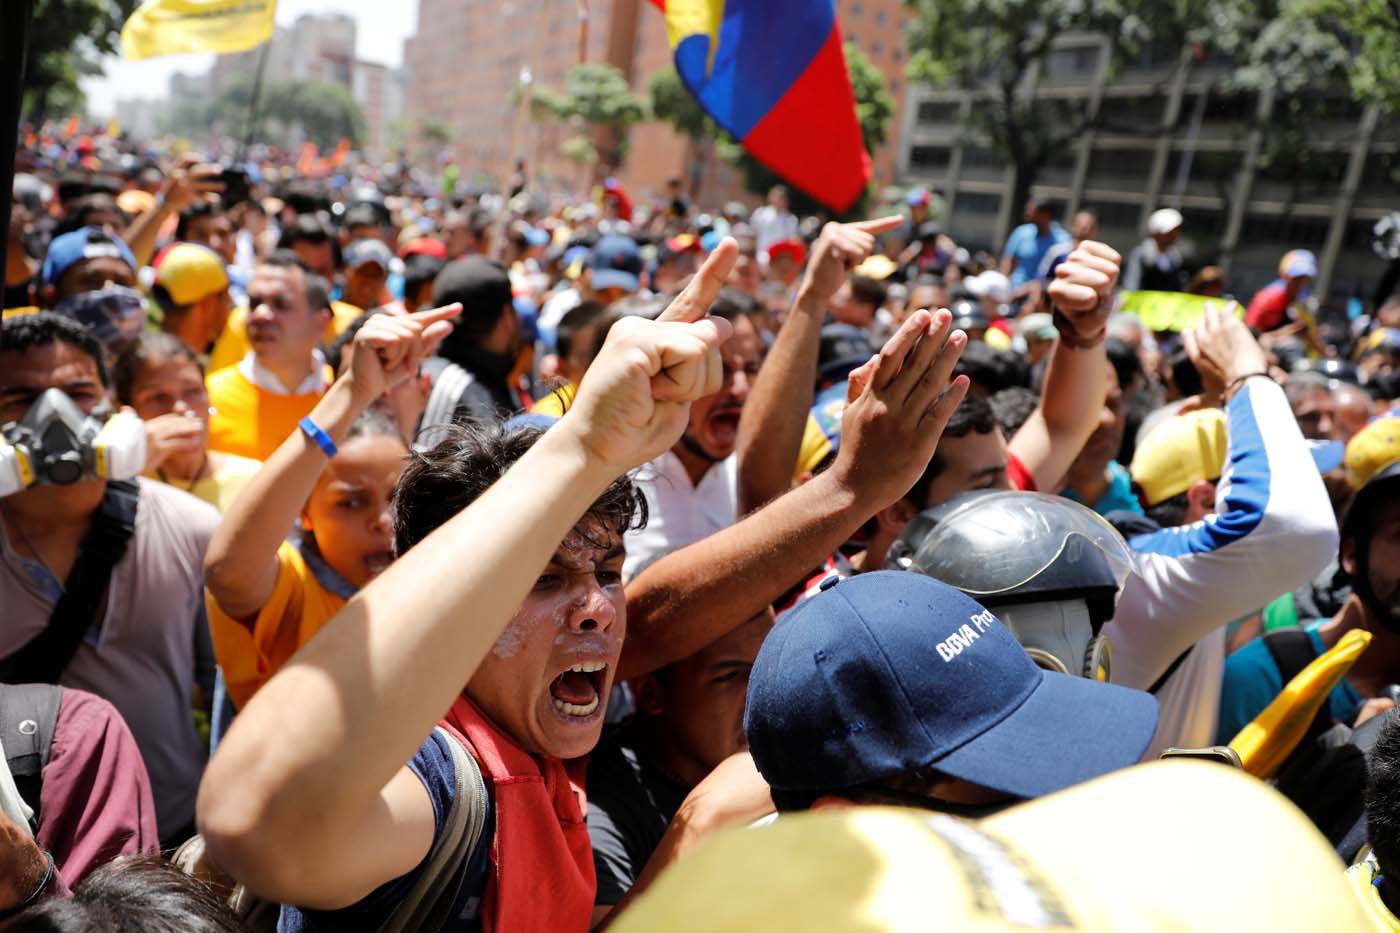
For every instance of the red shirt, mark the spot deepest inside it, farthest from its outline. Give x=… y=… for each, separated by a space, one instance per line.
x=1269 y=307
x=1021 y=478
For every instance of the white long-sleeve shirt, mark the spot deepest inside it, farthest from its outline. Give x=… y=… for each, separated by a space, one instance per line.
x=1272 y=531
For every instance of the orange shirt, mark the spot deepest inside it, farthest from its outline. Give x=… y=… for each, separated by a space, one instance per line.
x=251 y=651
x=250 y=421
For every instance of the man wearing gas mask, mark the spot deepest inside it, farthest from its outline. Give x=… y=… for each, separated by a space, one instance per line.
x=101 y=572
x=1271 y=530
x=90 y=276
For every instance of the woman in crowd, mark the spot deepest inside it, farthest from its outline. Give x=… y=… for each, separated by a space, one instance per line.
x=159 y=377
x=332 y=480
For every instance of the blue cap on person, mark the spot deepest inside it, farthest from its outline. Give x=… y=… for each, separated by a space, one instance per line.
x=615 y=262
x=917 y=196
x=887 y=673
x=87 y=243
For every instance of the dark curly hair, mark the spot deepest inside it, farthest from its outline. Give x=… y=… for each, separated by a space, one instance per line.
x=465 y=460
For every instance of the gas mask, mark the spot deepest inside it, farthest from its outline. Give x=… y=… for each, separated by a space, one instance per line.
x=114 y=313
x=1059 y=636
x=56 y=443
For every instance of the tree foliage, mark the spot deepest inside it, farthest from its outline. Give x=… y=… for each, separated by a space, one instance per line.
x=1365 y=34
x=595 y=95
x=997 y=49
x=67 y=40
x=318 y=111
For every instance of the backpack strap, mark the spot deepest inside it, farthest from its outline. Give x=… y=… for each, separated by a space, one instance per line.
x=1292 y=650
x=28 y=720
x=46 y=656
x=457 y=862
x=449 y=382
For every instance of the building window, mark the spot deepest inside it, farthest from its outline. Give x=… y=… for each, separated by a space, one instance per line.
x=977 y=202
x=928 y=159
x=1076 y=61
x=936 y=112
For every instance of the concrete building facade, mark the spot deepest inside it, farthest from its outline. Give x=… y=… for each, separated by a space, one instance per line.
x=1174 y=138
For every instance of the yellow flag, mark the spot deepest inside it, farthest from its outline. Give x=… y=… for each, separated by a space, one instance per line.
x=175 y=27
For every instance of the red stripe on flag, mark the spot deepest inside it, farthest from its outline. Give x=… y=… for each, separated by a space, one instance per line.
x=811 y=137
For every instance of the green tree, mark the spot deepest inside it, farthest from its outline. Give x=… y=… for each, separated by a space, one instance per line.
x=998 y=51
x=67 y=40
x=325 y=111
x=597 y=96
x=1366 y=33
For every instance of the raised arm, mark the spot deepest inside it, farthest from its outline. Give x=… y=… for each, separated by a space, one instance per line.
x=324 y=814
x=771 y=427
x=181 y=188
x=240 y=567
x=899 y=401
x=1075 y=379
x=1273 y=529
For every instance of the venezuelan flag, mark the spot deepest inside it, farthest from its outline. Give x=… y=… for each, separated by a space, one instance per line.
x=773 y=73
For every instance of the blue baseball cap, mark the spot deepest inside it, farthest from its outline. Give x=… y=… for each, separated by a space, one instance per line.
x=616 y=262
x=887 y=673
x=86 y=243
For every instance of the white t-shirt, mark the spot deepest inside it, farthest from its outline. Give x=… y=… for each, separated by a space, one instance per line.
x=770 y=227
x=681 y=513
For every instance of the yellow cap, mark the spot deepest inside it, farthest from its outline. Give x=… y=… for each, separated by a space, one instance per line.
x=191 y=271
x=1372 y=448
x=135 y=202
x=1180 y=451
x=1167 y=846
x=877 y=266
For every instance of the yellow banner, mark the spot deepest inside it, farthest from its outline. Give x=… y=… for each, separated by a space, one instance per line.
x=176 y=27
x=1176 y=311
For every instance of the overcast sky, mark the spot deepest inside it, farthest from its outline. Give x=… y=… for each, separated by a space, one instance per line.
x=383 y=25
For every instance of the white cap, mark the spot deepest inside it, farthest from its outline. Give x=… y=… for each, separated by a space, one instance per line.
x=992 y=284
x=1164 y=221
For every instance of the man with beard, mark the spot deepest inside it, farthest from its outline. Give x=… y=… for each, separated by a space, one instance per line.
x=471 y=373
x=467 y=682
x=259 y=402
x=1370 y=555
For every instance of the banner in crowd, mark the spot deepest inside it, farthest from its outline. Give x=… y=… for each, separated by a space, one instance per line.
x=1163 y=311
x=177 y=27
x=773 y=73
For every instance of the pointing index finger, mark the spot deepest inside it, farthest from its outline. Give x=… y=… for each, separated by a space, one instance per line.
x=694 y=303
x=433 y=315
x=880 y=224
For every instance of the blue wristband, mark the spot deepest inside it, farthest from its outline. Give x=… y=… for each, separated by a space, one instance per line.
x=322 y=439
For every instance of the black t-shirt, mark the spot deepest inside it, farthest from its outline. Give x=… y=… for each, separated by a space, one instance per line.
x=630 y=804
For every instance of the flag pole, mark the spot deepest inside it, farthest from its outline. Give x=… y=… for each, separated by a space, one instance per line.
x=253 y=104
x=13 y=48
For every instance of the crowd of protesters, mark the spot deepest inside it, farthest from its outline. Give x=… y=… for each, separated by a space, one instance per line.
x=381 y=554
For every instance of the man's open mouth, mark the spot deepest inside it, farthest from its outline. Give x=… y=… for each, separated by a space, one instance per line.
x=578 y=691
